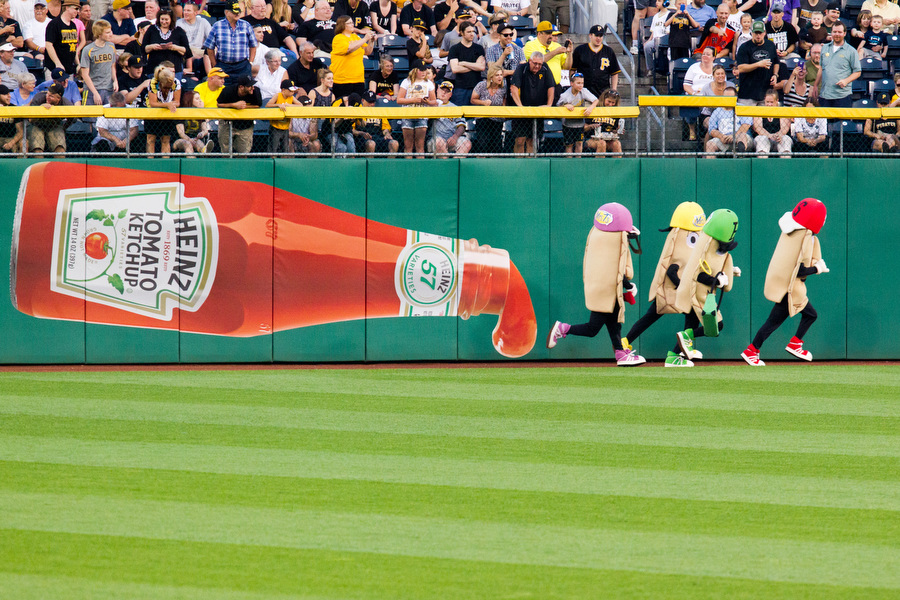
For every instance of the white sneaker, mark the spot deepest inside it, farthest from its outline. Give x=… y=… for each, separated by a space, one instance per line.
x=634 y=49
x=557 y=332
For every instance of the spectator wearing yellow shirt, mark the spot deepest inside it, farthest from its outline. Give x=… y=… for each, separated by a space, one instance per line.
x=210 y=89
x=347 y=52
x=554 y=53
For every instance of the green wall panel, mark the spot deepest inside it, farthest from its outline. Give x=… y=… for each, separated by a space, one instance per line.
x=665 y=183
x=725 y=183
x=872 y=324
x=774 y=195
x=578 y=188
x=504 y=203
x=29 y=339
x=214 y=348
x=340 y=184
x=422 y=196
x=110 y=344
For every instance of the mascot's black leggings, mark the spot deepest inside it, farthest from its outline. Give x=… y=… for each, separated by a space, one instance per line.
x=596 y=322
x=778 y=316
x=691 y=321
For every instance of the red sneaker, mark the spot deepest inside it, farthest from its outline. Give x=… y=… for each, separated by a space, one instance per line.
x=751 y=355
x=795 y=347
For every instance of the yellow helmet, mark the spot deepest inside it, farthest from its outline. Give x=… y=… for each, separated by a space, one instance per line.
x=689 y=216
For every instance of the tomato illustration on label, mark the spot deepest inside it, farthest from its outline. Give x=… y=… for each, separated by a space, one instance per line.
x=96 y=245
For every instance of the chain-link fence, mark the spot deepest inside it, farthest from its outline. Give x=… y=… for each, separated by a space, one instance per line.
x=661 y=126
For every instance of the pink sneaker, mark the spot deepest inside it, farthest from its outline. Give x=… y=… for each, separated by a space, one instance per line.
x=751 y=355
x=795 y=347
x=626 y=358
x=557 y=332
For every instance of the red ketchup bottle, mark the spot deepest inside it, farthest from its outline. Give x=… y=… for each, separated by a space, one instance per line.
x=235 y=258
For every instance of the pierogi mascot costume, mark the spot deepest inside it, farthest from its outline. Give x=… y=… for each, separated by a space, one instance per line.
x=683 y=234
x=797 y=256
x=607 y=280
x=709 y=268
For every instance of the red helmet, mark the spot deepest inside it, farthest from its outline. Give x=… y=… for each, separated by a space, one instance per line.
x=810 y=213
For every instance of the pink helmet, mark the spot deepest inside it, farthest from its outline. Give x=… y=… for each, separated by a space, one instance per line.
x=810 y=213
x=612 y=216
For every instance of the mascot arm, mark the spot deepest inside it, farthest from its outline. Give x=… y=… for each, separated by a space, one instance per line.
x=672 y=274
x=706 y=279
x=804 y=271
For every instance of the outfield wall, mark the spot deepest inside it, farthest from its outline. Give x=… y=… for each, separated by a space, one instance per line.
x=539 y=210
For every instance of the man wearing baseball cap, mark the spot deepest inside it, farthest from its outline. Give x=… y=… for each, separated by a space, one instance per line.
x=597 y=61
x=373 y=134
x=10 y=67
x=134 y=83
x=121 y=17
x=48 y=134
x=555 y=54
x=757 y=65
x=210 y=89
x=10 y=128
x=62 y=39
x=70 y=88
x=231 y=45
x=241 y=95
x=35 y=29
x=782 y=33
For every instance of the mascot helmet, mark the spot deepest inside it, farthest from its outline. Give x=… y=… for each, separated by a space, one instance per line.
x=689 y=216
x=721 y=225
x=811 y=214
x=612 y=216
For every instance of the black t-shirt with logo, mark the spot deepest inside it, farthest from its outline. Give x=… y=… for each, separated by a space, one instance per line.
x=319 y=33
x=360 y=14
x=64 y=39
x=598 y=67
x=783 y=37
x=385 y=85
x=752 y=85
x=533 y=87
x=273 y=33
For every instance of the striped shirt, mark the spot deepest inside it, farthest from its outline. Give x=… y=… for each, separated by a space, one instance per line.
x=231 y=44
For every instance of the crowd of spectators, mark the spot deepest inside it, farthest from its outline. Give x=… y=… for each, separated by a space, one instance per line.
x=794 y=53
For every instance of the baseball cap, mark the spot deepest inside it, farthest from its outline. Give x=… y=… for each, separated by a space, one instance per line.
x=40 y=2
x=420 y=24
x=758 y=27
x=74 y=3
x=57 y=73
x=216 y=72
x=778 y=6
x=136 y=61
x=418 y=64
x=883 y=98
x=354 y=99
x=369 y=97
x=4 y=90
x=304 y=100
x=544 y=26
x=464 y=14
x=834 y=6
x=56 y=88
x=117 y=4
x=246 y=81
x=236 y=8
x=287 y=84
x=7 y=48
x=598 y=30
x=446 y=85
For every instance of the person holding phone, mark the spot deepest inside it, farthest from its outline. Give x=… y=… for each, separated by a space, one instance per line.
x=680 y=24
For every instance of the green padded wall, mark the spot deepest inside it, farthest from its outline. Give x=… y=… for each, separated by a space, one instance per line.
x=578 y=189
x=409 y=195
x=207 y=348
x=27 y=339
x=111 y=344
x=505 y=203
x=774 y=195
x=316 y=180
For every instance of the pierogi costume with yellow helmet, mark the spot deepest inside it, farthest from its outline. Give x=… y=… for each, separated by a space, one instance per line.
x=683 y=234
x=797 y=256
x=709 y=267
x=607 y=274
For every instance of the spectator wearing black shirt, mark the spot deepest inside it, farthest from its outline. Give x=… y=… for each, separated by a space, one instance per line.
x=468 y=63
x=319 y=30
x=243 y=94
x=383 y=14
x=358 y=10
x=384 y=82
x=274 y=35
x=596 y=61
x=62 y=39
x=532 y=85
x=303 y=70
x=134 y=83
x=758 y=65
x=417 y=9
x=417 y=45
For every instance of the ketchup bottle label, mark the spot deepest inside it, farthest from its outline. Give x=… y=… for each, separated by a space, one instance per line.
x=427 y=275
x=143 y=248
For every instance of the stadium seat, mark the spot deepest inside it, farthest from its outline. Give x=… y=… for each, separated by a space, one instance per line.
x=384 y=102
x=287 y=61
x=872 y=68
x=389 y=42
x=401 y=65
x=726 y=62
x=860 y=89
x=679 y=70
x=370 y=65
x=853 y=138
x=893 y=52
x=524 y=39
x=882 y=85
x=789 y=64
x=864 y=103
x=524 y=25
x=553 y=137
x=852 y=8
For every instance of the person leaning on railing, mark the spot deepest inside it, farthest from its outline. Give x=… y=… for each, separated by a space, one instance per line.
x=11 y=132
x=44 y=134
x=489 y=92
x=810 y=133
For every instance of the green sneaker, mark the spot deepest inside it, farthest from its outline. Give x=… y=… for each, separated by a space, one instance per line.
x=686 y=341
x=677 y=360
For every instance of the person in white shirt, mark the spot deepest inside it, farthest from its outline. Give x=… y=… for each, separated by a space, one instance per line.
x=197 y=30
x=151 y=10
x=520 y=8
x=22 y=11
x=271 y=74
x=658 y=30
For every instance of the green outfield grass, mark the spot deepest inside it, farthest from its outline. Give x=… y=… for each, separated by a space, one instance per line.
x=712 y=482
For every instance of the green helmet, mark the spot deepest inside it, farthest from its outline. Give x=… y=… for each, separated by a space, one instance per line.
x=721 y=225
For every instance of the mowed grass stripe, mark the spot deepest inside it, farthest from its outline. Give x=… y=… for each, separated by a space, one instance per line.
x=713 y=436
x=41 y=587
x=314 y=574
x=840 y=390
x=872 y=527
x=438 y=445
x=851 y=565
x=727 y=487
